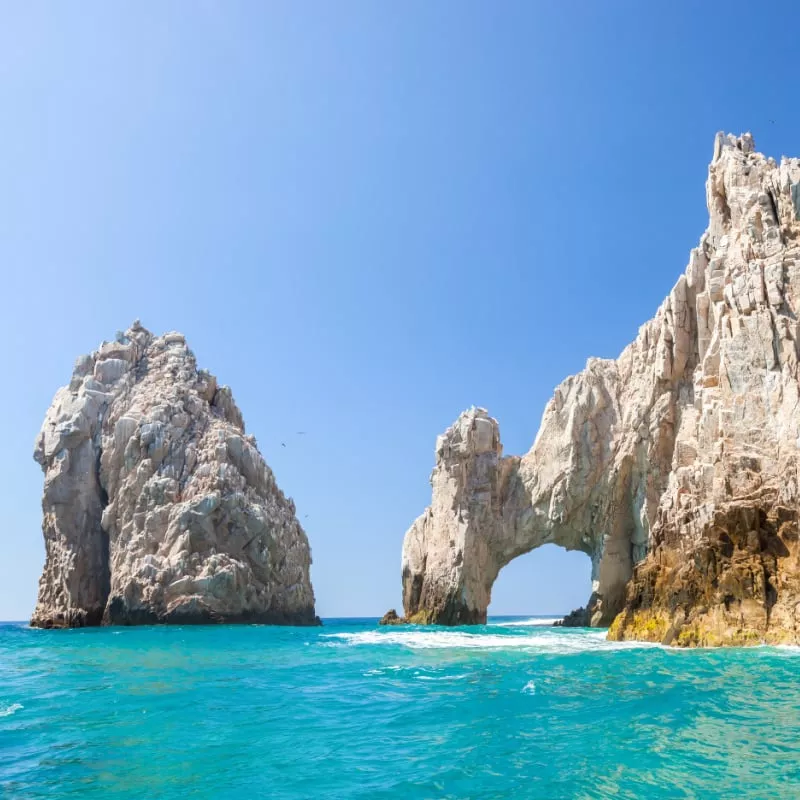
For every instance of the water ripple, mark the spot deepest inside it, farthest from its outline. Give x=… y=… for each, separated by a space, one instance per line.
x=357 y=711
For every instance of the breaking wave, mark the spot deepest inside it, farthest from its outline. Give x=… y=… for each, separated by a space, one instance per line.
x=533 y=622
x=7 y=711
x=426 y=639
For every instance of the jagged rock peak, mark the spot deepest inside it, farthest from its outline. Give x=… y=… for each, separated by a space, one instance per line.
x=674 y=467
x=157 y=507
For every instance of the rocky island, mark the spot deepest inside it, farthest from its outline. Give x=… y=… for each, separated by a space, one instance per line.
x=674 y=467
x=158 y=508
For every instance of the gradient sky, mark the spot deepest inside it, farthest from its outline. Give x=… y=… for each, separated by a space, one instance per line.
x=365 y=217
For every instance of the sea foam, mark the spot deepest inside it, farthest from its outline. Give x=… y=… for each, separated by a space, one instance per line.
x=426 y=639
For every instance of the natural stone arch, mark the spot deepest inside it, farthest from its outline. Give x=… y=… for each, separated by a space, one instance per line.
x=488 y=510
x=591 y=481
x=677 y=464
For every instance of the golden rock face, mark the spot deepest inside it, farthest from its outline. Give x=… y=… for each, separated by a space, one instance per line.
x=740 y=585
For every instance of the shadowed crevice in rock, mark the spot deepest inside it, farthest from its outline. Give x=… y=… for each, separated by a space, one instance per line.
x=75 y=595
x=104 y=555
x=675 y=466
x=157 y=507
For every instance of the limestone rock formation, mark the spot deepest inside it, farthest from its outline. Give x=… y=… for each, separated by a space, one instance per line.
x=675 y=466
x=157 y=506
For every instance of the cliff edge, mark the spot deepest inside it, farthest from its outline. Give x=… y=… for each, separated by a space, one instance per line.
x=674 y=467
x=157 y=507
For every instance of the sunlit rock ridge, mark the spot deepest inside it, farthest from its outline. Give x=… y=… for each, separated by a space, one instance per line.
x=157 y=507
x=674 y=467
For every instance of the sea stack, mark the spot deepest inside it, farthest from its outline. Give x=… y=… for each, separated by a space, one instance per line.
x=674 y=467
x=157 y=507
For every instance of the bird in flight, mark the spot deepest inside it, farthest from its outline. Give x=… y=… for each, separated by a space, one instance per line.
x=301 y=433
x=283 y=444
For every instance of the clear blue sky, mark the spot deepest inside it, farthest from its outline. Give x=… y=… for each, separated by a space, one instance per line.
x=365 y=217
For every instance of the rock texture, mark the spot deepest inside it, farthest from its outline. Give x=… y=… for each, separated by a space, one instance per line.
x=577 y=618
x=391 y=618
x=157 y=506
x=674 y=467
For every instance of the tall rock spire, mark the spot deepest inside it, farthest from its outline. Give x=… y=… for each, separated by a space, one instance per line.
x=157 y=507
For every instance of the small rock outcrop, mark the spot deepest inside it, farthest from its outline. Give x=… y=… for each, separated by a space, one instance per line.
x=157 y=507
x=674 y=467
x=577 y=618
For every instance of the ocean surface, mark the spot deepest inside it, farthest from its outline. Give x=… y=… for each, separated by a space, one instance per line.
x=351 y=710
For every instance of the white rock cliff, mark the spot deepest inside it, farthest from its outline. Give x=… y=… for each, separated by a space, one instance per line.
x=674 y=467
x=157 y=507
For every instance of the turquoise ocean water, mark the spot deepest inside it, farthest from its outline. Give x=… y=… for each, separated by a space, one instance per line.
x=350 y=710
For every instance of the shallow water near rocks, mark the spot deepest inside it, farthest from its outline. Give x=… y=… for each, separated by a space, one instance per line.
x=351 y=710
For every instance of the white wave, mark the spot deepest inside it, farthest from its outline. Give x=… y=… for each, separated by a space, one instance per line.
x=542 y=622
x=7 y=711
x=529 y=688
x=785 y=649
x=560 y=642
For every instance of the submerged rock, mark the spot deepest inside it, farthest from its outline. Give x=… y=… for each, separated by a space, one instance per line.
x=674 y=467
x=157 y=506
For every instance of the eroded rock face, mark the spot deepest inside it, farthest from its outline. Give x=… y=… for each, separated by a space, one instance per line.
x=488 y=509
x=157 y=507
x=674 y=467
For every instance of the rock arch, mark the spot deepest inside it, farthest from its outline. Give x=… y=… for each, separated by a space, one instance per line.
x=488 y=509
x=675 y=466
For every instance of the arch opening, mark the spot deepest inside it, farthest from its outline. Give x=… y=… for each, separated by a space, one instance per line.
x=548 y=581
